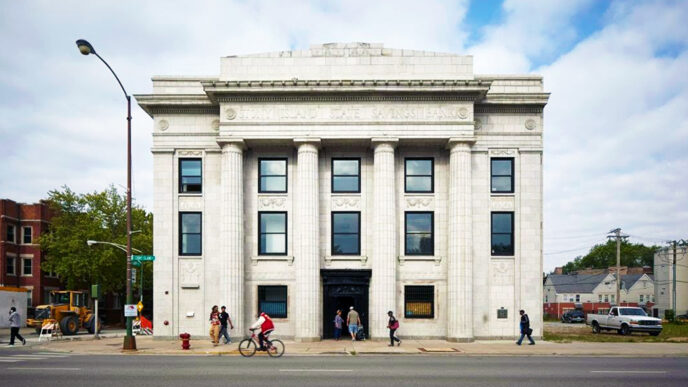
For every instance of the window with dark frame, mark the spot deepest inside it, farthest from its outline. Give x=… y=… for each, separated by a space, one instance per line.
x=273 y=300
x=190 y=233
x=190 y=175
x=419 y=175
x=346 y=233
x=272 y=235
x=27 y=235
x=502 y=175
x=502 y=233
x=419 y=301
x=10 y=265
x=346 y=175
x=27 y=266
x=419 y=233
x=11 y=233
x=272 y=175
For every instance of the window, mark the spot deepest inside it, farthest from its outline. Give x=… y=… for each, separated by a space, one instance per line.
x=502 y=233
x=272 y=175
x=577 y=297
x=273 y=301
x=606 y=298
x=272 y=239
x=642 y=298
x=599 y=298
x=346 y=175
x=10 y=233
x=10 y=265
x=502 y=171
x=27 y=267
x=613 y=298
x=29 y=297
x=190 y=240
x=419 y=237
x=418 y=175
x=190 y=176
x=346 y=233
x=27 y=236
x=419 y=301
x=546 y=299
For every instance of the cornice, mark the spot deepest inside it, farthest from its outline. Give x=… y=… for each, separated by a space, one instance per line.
x=154 y=104
x=480 y=108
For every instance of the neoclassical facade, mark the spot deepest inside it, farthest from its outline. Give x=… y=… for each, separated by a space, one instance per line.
x=302 y=182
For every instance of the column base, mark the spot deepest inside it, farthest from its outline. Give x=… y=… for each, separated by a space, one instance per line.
x=307 y=339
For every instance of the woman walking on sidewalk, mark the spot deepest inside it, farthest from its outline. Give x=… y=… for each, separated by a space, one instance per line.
x=393 y=325
x=215 y=325
x=338 y=322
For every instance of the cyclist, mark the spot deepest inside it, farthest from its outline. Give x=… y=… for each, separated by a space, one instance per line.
x=266 y=327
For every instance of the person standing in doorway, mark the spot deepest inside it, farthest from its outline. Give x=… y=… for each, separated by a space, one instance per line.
x=224 y=318
x=215 y=325
x=353 y=321
x=15 y=324
x=393 y=325
x=525 y=328
x=338 y=322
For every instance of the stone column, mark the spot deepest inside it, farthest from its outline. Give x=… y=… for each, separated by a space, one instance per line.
x=383 y=281
x=307 y=241
x=232 y=231
x=460 y=246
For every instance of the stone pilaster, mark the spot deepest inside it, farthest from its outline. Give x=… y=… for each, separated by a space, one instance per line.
x=460 y=246
x=383 y=281
x=232 y=231
x=307 y=241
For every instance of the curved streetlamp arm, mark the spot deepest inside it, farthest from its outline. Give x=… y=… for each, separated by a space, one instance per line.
x=113 y=73
x=121 y=247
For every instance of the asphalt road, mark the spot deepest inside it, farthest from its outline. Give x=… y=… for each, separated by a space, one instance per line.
x=20 y=367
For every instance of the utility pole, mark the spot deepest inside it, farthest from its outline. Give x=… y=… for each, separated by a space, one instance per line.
x=618 y=236
x=673 y=290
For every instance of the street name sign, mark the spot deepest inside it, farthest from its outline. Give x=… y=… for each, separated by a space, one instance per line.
x=142 y=258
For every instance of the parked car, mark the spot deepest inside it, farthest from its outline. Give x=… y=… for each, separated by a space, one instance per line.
x=625 y=320
x=573 y=316
x=682 y=318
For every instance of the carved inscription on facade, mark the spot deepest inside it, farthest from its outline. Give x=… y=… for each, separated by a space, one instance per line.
x=190 y=275
x=502 y=273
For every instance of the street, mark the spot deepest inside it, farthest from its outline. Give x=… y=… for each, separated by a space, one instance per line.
x=20 y=366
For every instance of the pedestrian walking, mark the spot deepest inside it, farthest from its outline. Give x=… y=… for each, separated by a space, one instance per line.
x=525 y=328
x=15 y=323
x=224 y=319
x=353 y=321
x=338 y=322
x=215 y=325
x=393 y=325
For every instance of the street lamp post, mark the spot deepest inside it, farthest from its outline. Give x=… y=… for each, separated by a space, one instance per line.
x=86 y=48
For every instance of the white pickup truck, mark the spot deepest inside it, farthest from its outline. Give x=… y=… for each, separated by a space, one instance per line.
x=625 y=320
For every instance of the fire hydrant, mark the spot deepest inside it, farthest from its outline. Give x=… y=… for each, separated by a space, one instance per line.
x=185 y=340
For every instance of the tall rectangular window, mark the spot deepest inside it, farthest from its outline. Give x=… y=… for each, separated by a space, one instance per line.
x=346 y=233
x=502 y=175
x=272 y=175
x=190 y=233
x=27 y=267
x=419 y=230
x=272 y=239
x=190 y=176
x=27 y=235
x=273 y=301
x=10 y=265
x=502 y=233
x=346 y=175
x=11 y=234
x=419 y=301
x=418 y=175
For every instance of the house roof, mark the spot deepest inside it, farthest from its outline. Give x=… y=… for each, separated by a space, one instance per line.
x=586 y=283
x=627 y=281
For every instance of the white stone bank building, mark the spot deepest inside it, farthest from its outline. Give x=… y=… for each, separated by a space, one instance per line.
x=302 y=182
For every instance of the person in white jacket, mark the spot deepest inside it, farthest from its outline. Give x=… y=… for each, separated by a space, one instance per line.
x=15 y=324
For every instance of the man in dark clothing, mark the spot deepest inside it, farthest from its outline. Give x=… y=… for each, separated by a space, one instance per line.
x=525 y=328
x=224 y=318
x=15 y=323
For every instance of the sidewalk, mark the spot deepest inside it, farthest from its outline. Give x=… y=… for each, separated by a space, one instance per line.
x=147 y=346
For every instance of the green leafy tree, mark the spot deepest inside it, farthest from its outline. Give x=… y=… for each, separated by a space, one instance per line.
x=99 y=216
x=602 y=256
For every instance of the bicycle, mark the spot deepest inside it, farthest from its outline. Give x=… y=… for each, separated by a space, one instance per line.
x=248 y=347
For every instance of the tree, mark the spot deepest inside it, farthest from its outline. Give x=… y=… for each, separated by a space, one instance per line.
x=100 y=216
x=602 y=256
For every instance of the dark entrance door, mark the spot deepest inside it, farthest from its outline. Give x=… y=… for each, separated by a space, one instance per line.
x=341 y=290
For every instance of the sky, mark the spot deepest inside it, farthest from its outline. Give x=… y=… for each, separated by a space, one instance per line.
x=616 y=126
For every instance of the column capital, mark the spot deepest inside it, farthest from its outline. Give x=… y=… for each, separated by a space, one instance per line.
x=314 y=141
x=460 y=143
x=377 y=141
x=236 y=142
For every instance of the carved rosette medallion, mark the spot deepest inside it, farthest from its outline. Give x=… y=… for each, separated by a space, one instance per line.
x=215 y=125
x=530 y=124
x=463 y=113
x=230 y=113
x=478 y=124
x=276 y=203
x=163 y=125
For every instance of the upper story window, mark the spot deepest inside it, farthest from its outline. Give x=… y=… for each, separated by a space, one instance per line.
x=346 y=233
x=272 y=175
x=11 y=233
x=190 y=233
x=27 y=237
x=190 y=176
x=502 y=233
x=346 y=175
x=418 y=175
x=27 y=267
x=272 y=238
x=419 y=230
x=502 y=172
x=10 y=265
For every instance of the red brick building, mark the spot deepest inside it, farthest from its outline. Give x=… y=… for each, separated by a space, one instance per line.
x=20 y=256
